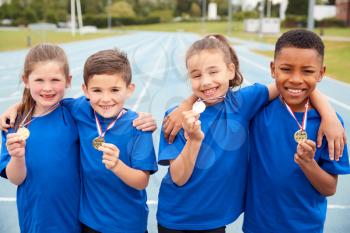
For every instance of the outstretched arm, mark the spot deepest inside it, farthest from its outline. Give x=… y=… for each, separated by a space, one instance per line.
x=330 y=126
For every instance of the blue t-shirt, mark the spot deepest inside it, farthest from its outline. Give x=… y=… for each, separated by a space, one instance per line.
x=214 y=194
x=48 y=198
x=279 y=196
x=107 y=203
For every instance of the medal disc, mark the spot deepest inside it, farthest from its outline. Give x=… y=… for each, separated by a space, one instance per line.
x=198 y=107
x=97 y=142
x=23 y=133
x=300 y=135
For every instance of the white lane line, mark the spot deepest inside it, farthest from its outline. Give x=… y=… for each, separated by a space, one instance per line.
x=7 y=199
x=155 y=67
x=331 y=206
x=332 y=100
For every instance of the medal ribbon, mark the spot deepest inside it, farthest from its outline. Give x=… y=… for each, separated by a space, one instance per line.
x=219 y=97
x=98 y=124
x=31 y=110
x=303 y=124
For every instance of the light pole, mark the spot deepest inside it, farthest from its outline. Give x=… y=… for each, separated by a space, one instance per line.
x=310 y=17
x=262 y=7
x=229 y=24
x=203 y=14
x=72 y=16
x=109 y=20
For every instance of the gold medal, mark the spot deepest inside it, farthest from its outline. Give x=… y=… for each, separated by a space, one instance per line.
x=23 y=133
x=198 y=107
x=97 y=142
x=300 y=135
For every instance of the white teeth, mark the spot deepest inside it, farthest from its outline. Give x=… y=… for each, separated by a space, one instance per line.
x=294 y=91
x=209 y=91
x=106 y=107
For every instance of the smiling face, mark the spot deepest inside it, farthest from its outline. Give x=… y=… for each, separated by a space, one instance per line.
x=297 y=71
x=210 y=75
x=107 y=93
x=47 y=83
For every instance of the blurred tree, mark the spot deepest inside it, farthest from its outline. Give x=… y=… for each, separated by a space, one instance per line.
x=195 y=10
x=92 y=6
x=297 y=7
x=121 y=9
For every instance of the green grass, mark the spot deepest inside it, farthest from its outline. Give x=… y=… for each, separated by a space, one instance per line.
x=11 y=40
x=337 y=53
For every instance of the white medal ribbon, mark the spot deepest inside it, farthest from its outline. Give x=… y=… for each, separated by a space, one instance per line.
x=22 y=124
x=303 y=124
x=98 y=125
x=199 y=106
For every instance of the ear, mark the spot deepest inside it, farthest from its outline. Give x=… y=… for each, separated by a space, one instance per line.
x=130 y=89
x=86 y=93
x=322 y=72
x=232 y=69
x=272 y=69
x=69 y=81
x=25 y=81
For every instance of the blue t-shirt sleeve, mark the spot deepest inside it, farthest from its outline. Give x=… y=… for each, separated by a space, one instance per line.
x=252 y=99
x=5 y=157
x=331 y=166
x=73 y=105
x=168 y=151
x=142 y=154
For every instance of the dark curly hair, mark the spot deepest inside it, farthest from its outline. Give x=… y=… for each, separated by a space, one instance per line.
x=300 y=38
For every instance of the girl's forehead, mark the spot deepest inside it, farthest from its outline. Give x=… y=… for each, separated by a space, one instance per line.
x=206 y=57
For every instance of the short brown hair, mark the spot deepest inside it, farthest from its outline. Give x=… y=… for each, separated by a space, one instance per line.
x=110 y=61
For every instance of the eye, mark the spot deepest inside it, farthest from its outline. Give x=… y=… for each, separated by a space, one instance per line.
x=38 y=80
x=96 y=90
x=285 y=69
x=196 y=76
x=115 y=90
x=309 y=71
x=213 y=72
x=56 y=80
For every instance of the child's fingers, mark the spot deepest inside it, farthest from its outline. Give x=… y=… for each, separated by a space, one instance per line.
x=342 y=145
x=110 y=146
x=320 y=135
x=18 y=152
x=107 y=150
x=305 y=147
x=13 y=146
x=297 y=158
x=13 y=138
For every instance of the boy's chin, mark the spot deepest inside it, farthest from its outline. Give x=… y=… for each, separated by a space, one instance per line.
x=107 y=113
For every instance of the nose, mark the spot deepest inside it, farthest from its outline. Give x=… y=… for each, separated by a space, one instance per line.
x=296 y=78
x=47 y=86
x=205 y=80
x=105 y=97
